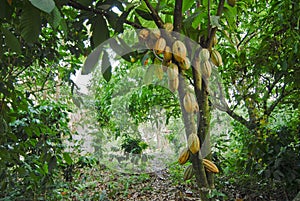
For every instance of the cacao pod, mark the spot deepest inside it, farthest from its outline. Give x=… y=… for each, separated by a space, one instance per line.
x=155 y=33
x=173 y=84
x=215 y=41
x=167 y=54
x=188 y=173
x=188 y=102
x=143 y=34
x=185 y=64
x=204 y=55
x=179 y=51
x=160 y=45
x=210 y=166
x=168 y=27
x=158 y=71
x=184 y=156
x=231 y=2
x=193 y=143
x=172 y=71
x=216 y=58
x=205 y=68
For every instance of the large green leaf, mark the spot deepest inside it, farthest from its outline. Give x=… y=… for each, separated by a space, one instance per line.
x=55 y=18
x=30 y=23
x=91 y=61
x=44 y=5
x=106 y=67
x=100 y=31
x=11 y=40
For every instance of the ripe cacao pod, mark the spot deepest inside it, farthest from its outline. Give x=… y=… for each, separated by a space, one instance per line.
x=184 y=156
x=179 y=51
x=231 y=2
x=216 y=58
x=168 y=27
x=188 y=173
x=205 y=68
x=185 y=64
x=144 y=34
x=160 y=45
x=155 y=33
x=188 y=102
x=204 y=55
x=210 y=166
x=167 y=54
x=193 y=143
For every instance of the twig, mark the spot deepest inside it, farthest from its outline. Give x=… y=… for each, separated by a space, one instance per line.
x=158 y=21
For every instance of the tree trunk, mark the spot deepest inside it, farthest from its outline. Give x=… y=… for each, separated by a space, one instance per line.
x=196 y=159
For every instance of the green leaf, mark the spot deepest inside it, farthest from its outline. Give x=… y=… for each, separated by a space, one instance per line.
x=106 y=67
x=149 y=75
x=44 y=5
x=55 y=19
x=67 y=158
x=11 y=40
x=186 y=4
x=100 y=31
x=91 y=61
x=30 y=23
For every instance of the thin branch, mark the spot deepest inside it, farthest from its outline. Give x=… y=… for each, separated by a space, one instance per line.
x=158 y=21
x=133 y=24
x=214 y=30
x=177 y=15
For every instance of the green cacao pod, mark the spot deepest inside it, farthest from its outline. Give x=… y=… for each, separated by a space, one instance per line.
x=216 y=58
x=184 y=156
x=210 y=166
x=193 y=143
x=188 y=173
x=205 y=68
x=204 y=55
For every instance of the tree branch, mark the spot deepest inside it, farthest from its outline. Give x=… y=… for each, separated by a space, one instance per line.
x=177 y=15
x=213 y=31
x=158 y=21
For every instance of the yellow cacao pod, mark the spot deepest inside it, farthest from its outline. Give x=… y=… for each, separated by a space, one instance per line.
x=160 y=45
x=210 y=166
x=188 y=173
x=188 y=102
x=231 y=2
x=168 y=27
x=185 y=64
x=205 y=68
x=155 y=33
x=204 y=55
x=184 y=156
x=193 y=143
x=179 y=51
x=216 y=58
x=144 y=34
x=167 y=54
